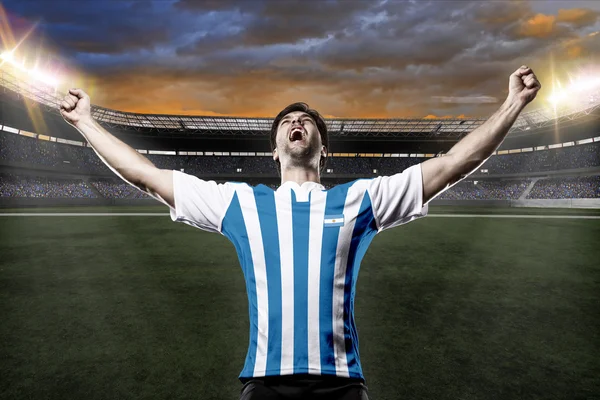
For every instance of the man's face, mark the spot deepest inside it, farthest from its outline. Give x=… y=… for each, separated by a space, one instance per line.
x=298 y=142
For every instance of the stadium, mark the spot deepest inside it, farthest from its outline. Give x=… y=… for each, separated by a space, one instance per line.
x=51 y=165
x=494 y=296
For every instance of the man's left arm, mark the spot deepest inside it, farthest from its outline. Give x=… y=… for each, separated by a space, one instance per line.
x=440 y=173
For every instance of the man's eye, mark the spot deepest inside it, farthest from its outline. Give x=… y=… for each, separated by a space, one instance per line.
x=284 y=122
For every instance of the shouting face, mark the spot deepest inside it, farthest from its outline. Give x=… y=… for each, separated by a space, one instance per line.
x=298 y=142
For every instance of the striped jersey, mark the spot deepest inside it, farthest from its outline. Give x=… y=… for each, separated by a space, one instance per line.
x=300 y=249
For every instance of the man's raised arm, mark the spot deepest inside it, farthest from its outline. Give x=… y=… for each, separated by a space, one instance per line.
x=123 y=160
x=473 y=150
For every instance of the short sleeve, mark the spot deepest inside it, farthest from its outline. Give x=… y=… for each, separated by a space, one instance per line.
x=200 y=203
x=398 y=199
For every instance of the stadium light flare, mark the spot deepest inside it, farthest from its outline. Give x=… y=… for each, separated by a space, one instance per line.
x=34 y=73
x=578 y=87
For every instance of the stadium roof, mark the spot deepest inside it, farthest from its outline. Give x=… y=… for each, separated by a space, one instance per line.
x=204 y=125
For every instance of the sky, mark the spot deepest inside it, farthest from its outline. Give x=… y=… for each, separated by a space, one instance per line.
x=347 y=59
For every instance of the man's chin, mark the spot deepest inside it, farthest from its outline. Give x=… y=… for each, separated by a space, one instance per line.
x=298 y=143
x=300 y=154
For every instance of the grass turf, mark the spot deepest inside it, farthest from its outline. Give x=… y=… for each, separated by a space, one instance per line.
x=141 y=307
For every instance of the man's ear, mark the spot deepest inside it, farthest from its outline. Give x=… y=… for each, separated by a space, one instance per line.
x=324 y=151
x=275 y=155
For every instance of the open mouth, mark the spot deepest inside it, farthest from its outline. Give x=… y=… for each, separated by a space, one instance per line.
x=296 y=134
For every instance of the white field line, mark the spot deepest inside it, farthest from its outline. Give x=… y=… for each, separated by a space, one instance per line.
x=82 y=214
x=514 y=216
x=428 y=216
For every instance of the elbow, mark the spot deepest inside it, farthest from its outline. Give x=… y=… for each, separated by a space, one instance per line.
x=465 y=165
x=471 y=166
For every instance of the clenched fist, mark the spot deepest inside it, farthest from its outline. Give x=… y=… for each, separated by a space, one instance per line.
x=75 y=107
x=523 y=85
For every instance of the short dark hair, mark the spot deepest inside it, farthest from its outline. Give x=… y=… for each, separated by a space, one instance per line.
x=314 y=114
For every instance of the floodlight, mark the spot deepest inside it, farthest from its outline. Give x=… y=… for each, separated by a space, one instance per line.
x=573 y=93
x=557 y=97
x=34 y=73
x=7 y=55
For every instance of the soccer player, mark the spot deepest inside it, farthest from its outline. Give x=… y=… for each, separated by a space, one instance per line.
x=300 y=246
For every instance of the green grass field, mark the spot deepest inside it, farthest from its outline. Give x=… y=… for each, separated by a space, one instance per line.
x=447 y=308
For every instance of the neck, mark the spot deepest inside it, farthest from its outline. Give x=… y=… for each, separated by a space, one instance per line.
x=300 y=175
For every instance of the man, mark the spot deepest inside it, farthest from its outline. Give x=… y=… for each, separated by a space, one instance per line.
x=300 y=246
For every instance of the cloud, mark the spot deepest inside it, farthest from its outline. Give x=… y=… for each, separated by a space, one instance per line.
x=217 y=5
x=466 y=99
x=557 y=26
x=431 y=116
x=579 y=17
x=346 y=58
x=582 y=48
x=540 y=26
x=501 y=14
x=107 y=27
x=264 y=23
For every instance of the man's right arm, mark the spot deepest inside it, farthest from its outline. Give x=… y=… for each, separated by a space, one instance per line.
x=122 y=159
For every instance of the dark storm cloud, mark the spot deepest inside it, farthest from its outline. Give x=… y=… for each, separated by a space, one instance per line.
x=348 y=58
x=392 y=36
x=102 y=27
x=272 y=22
x=218 y=5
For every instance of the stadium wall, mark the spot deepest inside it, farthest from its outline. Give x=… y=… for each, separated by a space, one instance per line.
x=73 y=172
x=21 y=202
x=557 y=203
x=29 y=202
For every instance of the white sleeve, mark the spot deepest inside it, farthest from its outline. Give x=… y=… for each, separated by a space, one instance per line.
x=200 y=203
x=398 y=199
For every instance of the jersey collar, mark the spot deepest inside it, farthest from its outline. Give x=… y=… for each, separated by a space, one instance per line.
x=308 y=186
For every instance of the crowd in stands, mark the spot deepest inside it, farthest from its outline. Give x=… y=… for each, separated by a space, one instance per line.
x=27 y=186
x=13 y=185
x=18 y=148
x=581 y=156
x=485 y=190
x=34 y=152
x=582 y=187
x=112 y=189
x=215 y=164
x=99 y=181
x=138 y=194
x=84 y=159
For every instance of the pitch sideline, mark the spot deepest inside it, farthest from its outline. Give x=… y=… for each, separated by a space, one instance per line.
x=428 y=216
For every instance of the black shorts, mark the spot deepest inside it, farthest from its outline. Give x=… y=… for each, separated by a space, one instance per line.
x=300 y=387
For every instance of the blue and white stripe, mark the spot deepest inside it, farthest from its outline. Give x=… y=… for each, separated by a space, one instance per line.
x=299 y=251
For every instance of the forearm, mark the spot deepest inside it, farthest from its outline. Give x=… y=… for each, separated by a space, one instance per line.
x=122 y=159
x=475 y=148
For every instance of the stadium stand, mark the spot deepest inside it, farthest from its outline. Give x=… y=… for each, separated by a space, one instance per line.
x=111 y=189
x=18 y=151
x=582 y=187
x=485 y=190
x=31 y=151
x=12 y=185
x=17 y=148
x=582 y=156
